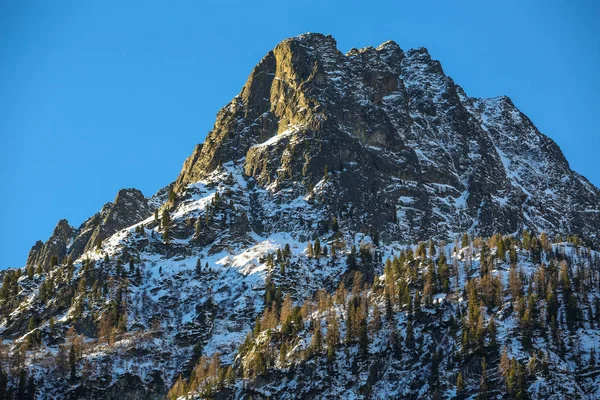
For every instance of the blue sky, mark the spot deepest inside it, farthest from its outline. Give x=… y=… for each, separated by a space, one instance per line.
x=100 y=95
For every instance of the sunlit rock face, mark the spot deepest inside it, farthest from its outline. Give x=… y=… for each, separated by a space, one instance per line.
x=407 y=151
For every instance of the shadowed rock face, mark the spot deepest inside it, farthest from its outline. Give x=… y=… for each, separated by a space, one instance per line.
x=408 y=152
x=129 y=207
x=127 y=387
x=41 y=253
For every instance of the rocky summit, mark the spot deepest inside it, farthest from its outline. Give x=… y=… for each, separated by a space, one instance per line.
x=354 y=226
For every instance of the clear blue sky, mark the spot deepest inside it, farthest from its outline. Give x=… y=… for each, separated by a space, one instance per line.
x=100 y=95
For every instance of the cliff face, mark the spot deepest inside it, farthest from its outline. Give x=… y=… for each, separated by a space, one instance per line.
x=408 y=152
x=130 y=206
x=57 y=245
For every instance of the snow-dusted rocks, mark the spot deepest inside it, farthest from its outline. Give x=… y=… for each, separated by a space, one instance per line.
x=130 y=206
x=389 y=124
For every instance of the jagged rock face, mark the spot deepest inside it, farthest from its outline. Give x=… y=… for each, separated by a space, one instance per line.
x=130 y=206
x=57 y=245
x=409 y=153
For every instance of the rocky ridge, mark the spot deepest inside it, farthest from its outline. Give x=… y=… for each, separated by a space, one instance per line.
x=414 y=156
x=130 y=206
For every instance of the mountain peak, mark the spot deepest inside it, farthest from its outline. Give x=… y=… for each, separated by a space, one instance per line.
x=41 y=254
x=388 y=44
x=124 y=193
x=390 y=115
x=313 y=38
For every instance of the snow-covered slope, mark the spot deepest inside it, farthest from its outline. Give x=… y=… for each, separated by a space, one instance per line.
x=418 y=347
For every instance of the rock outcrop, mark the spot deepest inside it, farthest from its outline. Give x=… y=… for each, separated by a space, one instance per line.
x=56 y=246
x=130 y=206
x=408 y=153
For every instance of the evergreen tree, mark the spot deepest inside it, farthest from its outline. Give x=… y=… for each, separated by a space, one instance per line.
x=198 y=228
x=389 y=312
x=484 y=266
x=283 y=352
x=332 y=337
x=513 y=256
x=460 y=384
x=421 y=250
x=363 y=338
x=483 y=382
x=72 y=362
x=526 y=240
x=317 y=248
x=351 y=258
x=22 y=385
x=465 y=240
x=571 y=311
x=282 y=269
x=31 y=388
x=309 y=250
x=536 y=250
x=504 y=365
x=431 y=248
x=516 y=380
x=375 y=235
x=317 y=339
x=501 y=251
x=444 y=274
x=492 y=332
x=166 y=221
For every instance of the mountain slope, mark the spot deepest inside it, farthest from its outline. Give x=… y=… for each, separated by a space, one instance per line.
x=367 y=154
